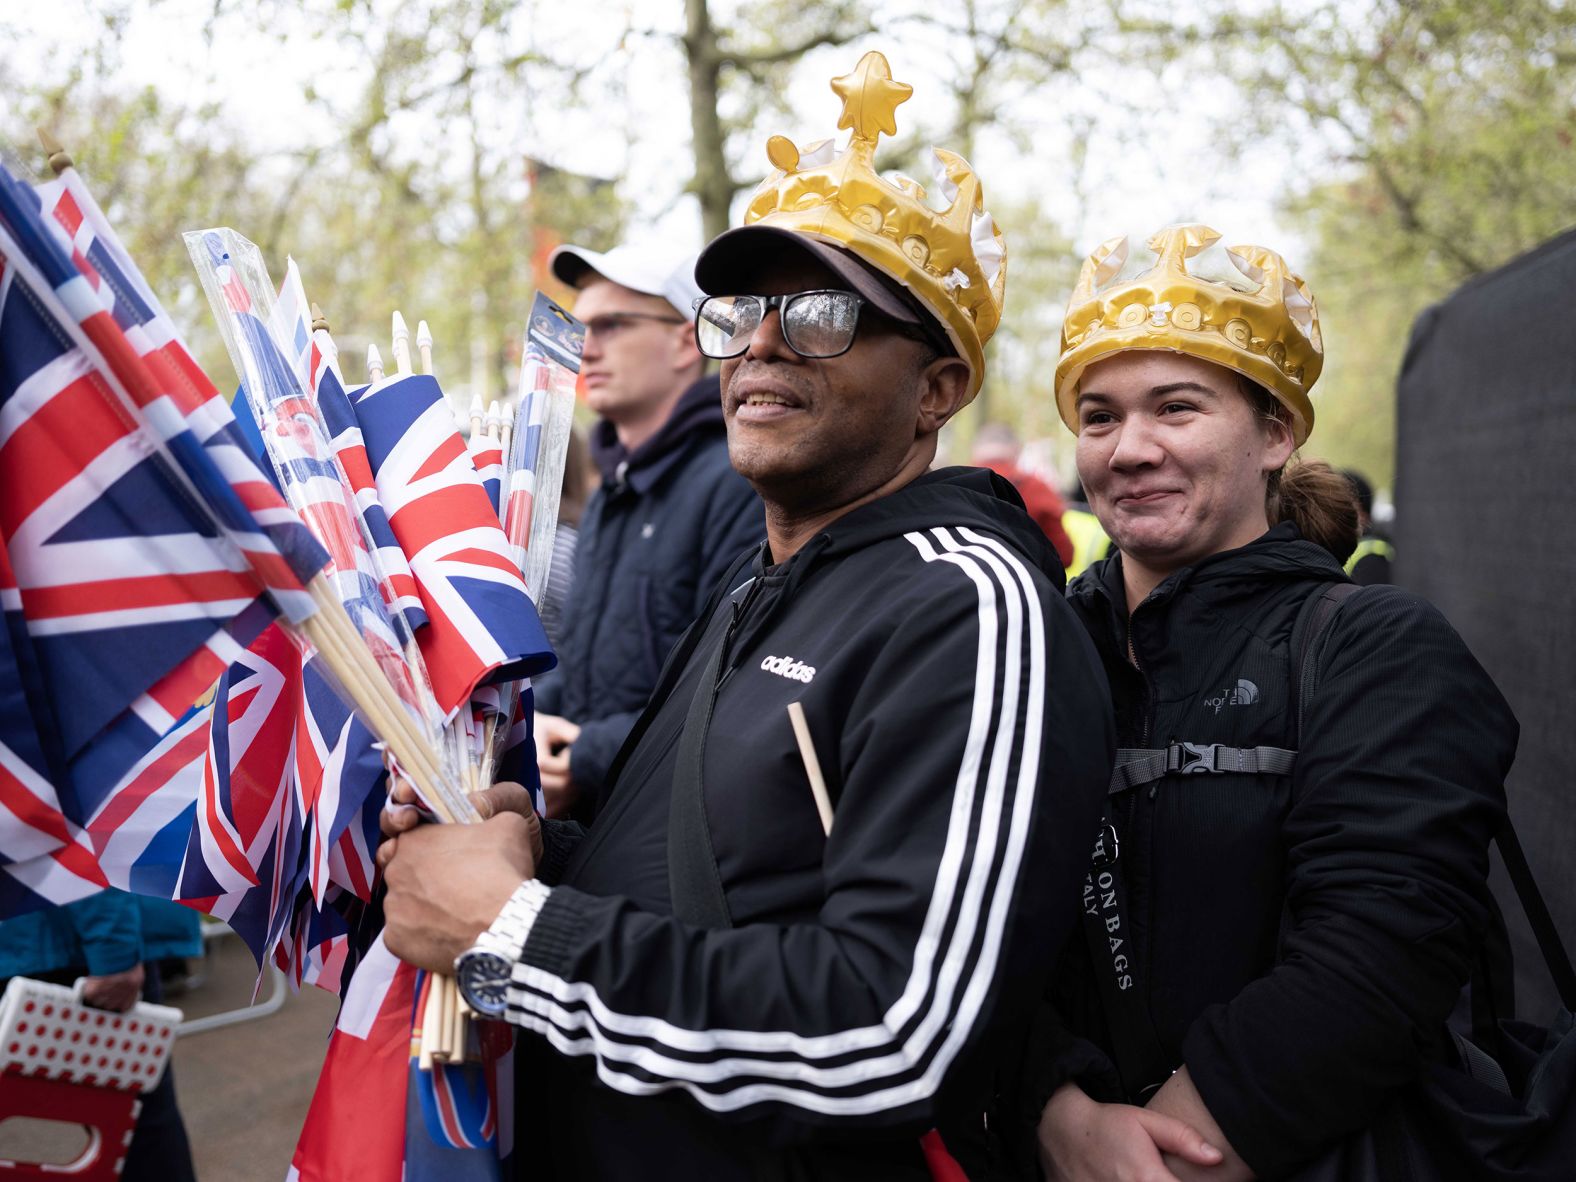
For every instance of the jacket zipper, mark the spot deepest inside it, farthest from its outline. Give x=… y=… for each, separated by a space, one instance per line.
x=1132 y=656
x=736 y=616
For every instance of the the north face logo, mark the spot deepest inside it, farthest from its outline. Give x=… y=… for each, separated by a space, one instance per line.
x=1245 y=694
x=788 y=667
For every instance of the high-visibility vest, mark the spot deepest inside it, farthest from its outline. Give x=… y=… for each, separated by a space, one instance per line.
x=1090 y=543
x=1367 y=546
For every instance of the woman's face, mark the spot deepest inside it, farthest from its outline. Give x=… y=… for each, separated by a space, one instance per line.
x=1173 y=457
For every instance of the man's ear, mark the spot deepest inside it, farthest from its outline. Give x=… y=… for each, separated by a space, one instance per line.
x=686 y=353
x=944 y=390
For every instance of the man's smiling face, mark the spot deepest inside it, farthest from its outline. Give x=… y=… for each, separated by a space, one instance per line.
x=821 y=432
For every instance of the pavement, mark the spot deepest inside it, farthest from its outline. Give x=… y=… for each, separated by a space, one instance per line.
x=243 y=1089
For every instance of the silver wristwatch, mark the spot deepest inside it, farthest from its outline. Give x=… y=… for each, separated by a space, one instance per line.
x=484 y=970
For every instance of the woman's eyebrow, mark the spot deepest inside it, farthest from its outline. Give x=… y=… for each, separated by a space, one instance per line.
x=1178 y=387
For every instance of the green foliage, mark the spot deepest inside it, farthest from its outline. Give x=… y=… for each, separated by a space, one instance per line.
x=1447 y=129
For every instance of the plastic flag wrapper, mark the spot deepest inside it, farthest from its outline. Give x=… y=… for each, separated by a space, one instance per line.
x=534 y=467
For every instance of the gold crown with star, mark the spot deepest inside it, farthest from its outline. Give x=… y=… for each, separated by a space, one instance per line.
x=1241 y=307
x=953 y=259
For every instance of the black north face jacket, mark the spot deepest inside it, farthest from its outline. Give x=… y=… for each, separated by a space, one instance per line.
x=1296 y=940
x=873 y=979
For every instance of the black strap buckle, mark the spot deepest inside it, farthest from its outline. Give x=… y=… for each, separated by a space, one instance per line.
x=1202 y=757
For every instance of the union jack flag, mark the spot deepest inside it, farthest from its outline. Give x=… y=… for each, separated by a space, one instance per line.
x=41 y=854
x=316 y=362
x=243 y=854
x=175 y=395
x=355 y=1125
x=487 y=456
x=339 y=772
x=481 y=623
x=135 y=568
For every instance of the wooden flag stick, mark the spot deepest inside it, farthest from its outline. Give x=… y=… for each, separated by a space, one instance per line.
x=505 y=437
x=319 y=321
x=456 y=1024
x=401 y=345
x=424 y=344
x=476 y=416
x=812 y=765
x=332 y=632
x=489 y=729
x=59 y=161
x=374 y=364
x=429 y=1024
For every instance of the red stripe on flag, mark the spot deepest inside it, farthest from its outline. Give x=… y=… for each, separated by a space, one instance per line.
x=148 y=781
x=484 y=558
x=440 y=514
x=68 y=213
x=81 y=863
x=453 y=1131
x=29 y=809
x=176 y=374
x=450 y=450
x=51 y=447
x=185 y=683
x=228 y=850
x=129 y=594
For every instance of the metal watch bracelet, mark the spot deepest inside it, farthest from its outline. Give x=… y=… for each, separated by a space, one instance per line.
x=508 y=932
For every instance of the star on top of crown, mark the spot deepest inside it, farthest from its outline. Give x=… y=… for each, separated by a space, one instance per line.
x=870 y=97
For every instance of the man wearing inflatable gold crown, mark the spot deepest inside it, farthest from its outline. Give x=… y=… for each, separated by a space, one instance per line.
x=735 y=974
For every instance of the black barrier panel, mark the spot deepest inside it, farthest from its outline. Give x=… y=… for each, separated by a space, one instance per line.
x=1486 y=529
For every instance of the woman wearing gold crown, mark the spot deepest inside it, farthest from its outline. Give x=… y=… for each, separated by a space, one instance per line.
x=1288 y=891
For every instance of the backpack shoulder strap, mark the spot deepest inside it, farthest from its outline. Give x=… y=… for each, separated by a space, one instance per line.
x=1308 y=634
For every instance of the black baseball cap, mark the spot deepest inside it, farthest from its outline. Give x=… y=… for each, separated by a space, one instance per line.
x=736 y=257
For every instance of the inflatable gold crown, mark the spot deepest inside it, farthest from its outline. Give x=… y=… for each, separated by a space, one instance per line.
x=954 y=259
x=1241 y=307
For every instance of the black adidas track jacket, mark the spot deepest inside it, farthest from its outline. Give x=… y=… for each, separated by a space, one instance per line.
x=872 y=980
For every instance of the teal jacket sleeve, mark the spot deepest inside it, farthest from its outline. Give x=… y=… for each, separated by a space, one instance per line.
x=109 y=927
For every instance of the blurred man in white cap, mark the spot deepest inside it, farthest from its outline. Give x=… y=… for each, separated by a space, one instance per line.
x=669 y=519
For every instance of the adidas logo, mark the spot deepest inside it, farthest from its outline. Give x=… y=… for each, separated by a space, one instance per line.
x=788 y=667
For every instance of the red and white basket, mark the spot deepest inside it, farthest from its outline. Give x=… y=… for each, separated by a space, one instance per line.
x=62 y=1060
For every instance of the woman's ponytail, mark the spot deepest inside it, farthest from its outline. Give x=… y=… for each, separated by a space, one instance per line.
x=1319 y=501
x=1309 y=493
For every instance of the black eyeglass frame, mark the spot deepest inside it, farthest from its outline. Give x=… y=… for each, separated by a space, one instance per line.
x=622 y=320
x=782 y=302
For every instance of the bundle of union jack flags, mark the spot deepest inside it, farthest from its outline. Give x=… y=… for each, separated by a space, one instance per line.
x=165 y=727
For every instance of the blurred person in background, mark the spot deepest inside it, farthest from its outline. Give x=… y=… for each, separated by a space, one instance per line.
x=1371 y=562
x=1289 y=889
x=114 y=941
x=668 y=519
x=1084 y=531
x=997 y=447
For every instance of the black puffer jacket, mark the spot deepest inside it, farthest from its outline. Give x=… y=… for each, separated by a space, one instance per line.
x=1373 y=852
x=668 y=520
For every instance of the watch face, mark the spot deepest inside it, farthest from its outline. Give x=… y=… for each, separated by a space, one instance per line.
x=484 y=980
